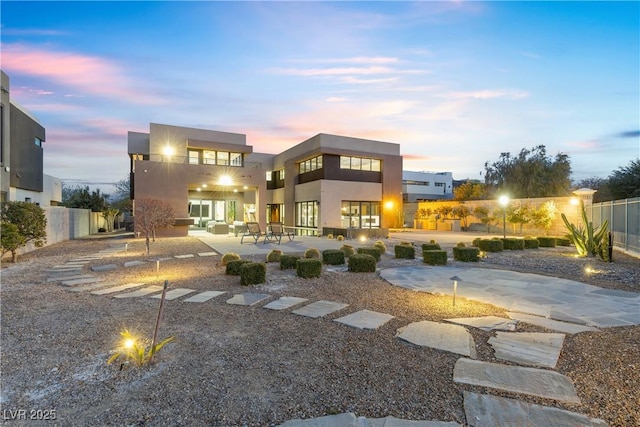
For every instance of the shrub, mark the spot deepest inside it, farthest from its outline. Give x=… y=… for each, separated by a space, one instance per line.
x=372 y=250
x=406 y=243
x=274 y=255
x=511 y=243
x=431 y=247
x=288 y=262
x=380 y=244
x=491 y=245
x=340 y=238
x=434 y=257
x=309 y=267
x=476 y=242
x=405 y=251
x=362 y=263
x=229 y=256
x=137 y=351
x=531 y=243
x=102 y=230
x=333 y=257
x=460 y=245
x=234 y=266
x=433 y=241
x=312 y=253
x=465 y=254
x=547 y=242
x=253 y=273
x=348 y=250
x=329 y=236
x=563 y=241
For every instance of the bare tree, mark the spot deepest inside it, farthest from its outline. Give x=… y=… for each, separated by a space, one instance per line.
x=151 y=214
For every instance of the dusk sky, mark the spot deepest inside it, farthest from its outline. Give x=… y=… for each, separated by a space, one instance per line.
x=454 y=83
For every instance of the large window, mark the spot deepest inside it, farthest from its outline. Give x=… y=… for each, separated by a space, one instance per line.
x=360 y=163
x=360 y=214
x=310 y=165
x=307 y=214
x=211 y=157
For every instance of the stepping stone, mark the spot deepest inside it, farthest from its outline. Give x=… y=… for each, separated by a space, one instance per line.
x=174 y=293
x=320 y=308
x=61 y=271
x=365 y=319
x=73 y=265
x=207 y=253
x=554 y=325
x=140 y=292
x=284 y=303
x=247 y=299
x=117 y=288
x=441 y=336
x=528 y=348
x=184 y=256
x=486 y=323
x=134 y=263
x=91 y=287
x=341 y=420
x=81 y=281
x=72 y=277
x=489 y=411
x=204 y=296
x=66 y=267
x=397 y=422
x=106 y=267
x=516 y=379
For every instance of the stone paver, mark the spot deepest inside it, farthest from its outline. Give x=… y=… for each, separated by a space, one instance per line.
x=117 y=288
x=175 y=293
x=320 y=308
x=528 y=348
x=283 y=303
x=203 y=254
x=105 y=267
x=516 y=379
x=247 y=299
x=91 y=287
x=554 y=325
x=441 y=336
x=62 y=271
x=350 y=420
x=140 y=292
x=365 y=319
x=84 y=281
x=204 y=296
x=490 y=411
x=134 y=263
x=72 y=276
x=486 y=323
x=184 y=256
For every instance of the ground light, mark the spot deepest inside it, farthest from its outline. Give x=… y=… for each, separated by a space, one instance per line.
x=504 y=201
x=455 y=279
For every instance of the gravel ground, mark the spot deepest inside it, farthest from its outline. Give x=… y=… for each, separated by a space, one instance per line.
x=247 y=366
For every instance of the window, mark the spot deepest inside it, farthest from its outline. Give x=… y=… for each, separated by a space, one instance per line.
x=308 y=165
x=307 y=214
x=194 y=157
x=269 y=175
x=360 y=163
x=360 y=214
x=236 y=159
x=38 y=141
x=220 y=158
x=439 y=184
x=411 y=182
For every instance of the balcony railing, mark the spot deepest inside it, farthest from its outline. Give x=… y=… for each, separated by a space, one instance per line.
x=185 y=160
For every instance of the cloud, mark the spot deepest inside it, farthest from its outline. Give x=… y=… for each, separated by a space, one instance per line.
x=336 y=99
x=629 y=134
x=489 y=94
x=335 y=71
x=82 y=73
x=353 y=60
x=32 y=32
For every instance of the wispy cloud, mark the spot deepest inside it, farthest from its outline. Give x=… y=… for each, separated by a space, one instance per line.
x=629 y=134
x=33 y=32
x=488 y=94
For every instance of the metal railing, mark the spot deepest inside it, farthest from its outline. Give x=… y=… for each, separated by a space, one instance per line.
x=624 y=222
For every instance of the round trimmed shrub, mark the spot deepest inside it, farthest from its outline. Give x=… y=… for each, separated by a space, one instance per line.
x=404 y=251
x=233 y=267
x=333 y=257
x=348 y=250
x=362 y=263
x=434 y=257
x=309 y=267
x=288 y=262
x=431 y=246
x=465 y=254
x=491 y=245
x=312 y=253
x=372 y=250
x=253 y=273
x=380 y=244
x=229 y=256
x=340 y=238
x=547 y=242
x=274 y=255
x=531 y=243
x=329 y=236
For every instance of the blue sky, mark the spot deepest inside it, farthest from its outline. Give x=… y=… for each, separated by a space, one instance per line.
x=455 y=83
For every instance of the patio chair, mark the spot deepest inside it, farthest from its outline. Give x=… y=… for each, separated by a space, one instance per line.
x=277 y=232
x=253 y=231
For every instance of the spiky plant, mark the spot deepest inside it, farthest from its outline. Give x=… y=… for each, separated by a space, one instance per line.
x=587 y=240
x=138 y=352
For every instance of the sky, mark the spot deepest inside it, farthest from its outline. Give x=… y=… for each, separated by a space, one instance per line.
x=455 y=83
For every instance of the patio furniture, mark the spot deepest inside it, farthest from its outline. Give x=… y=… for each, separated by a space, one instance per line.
x=276 y=233
x=253 y=231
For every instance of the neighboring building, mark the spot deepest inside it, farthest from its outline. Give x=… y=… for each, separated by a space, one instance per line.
x=424 y=186
x=21 y=155
x=214 y=178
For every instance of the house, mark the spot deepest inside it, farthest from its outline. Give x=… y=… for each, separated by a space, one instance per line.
x=423 y=186
x=326 y=184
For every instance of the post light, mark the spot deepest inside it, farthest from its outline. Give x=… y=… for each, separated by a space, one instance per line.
x=504 y=201
x=157 y=267
x=455 y=279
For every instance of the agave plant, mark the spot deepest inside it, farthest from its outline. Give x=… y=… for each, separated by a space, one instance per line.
x=138 y=352
x=587 y=240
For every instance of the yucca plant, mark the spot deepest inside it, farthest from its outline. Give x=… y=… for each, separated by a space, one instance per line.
x=587 y=240
x=138 y=352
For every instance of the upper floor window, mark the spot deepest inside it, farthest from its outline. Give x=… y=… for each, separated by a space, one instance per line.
x=38 y=141
x=411 y=182
x=360 y=163
x=310 y=165
x=211 y=157
x=439 y=184
x=269 y=175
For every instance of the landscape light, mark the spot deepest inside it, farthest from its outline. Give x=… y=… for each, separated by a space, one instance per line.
x=504 y=201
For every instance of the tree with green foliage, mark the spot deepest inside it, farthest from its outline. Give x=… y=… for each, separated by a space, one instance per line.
x=109 y=214
x=532 y=173
x=624 y=183
x=544 y=216
x=462 y=212
x=82 y=198
x=470 y=191
x=518 y=214
x=485 y=216
x=24 y=223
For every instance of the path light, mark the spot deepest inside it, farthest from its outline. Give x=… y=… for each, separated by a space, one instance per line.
x=504 y=201
x=455 y=279
x=157 y=267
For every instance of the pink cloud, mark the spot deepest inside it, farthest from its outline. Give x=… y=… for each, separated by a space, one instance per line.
x=82 y=73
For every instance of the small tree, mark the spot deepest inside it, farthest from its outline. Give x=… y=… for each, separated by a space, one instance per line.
x=29 y=225
x=544 y=216
x=109 y=214
x=484 y=215
x=445 y=211
x=462 y=212
x=151 y=214
x=518 y=214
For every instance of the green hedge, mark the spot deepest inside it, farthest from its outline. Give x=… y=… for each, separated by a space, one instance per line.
x=312 y=253
x=372 y=250
x=404 y=251
x=531 y=243
x=288 y=262
x=309 y=267
x=491 y=245
x=431 y=247
x=434 y=257
x=547 y=242
x=513 y=244
x=466 y=254
x=229 y=256
x=362 y=263
x=476 y=241
x=563 y=241
x=233 y=267
x=333 y=257
x=253 y=273
x=348 y=250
